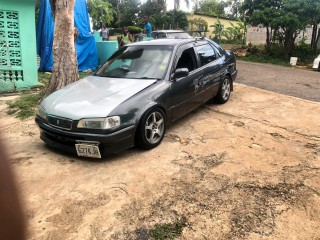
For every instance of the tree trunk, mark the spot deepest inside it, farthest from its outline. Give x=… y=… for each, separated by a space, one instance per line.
x=289 y=39
x=268 y=48
x=314 y=36
x=274 y=35
x=316 y=44
x=65 y=65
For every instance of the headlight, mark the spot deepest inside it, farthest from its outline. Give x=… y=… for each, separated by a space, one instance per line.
x=41 y=113
x=100 y=123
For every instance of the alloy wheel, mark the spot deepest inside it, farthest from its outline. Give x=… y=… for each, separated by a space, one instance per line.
x=154 y=127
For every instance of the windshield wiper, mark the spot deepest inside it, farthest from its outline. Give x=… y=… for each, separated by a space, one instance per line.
x=108 y=76
x=149 y=78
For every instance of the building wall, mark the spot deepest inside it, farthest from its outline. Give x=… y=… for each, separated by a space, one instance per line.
x=212 y=21
x=18 y=57
x=257 y=35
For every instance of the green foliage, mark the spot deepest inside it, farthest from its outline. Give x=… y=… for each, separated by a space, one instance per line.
x=218 y=29
x=101 y=12
x=236 y=33
x=85 y=74
x=115 y=31
x=127 y=12
x=134 y=29
x=152 y=7
x=169 y=20
x=265 y=59
x=197 y=23
x=168 y=231
x=304 y=52
x=286 y=17
x=24 y=106
x=211 y=7
x=234 y=9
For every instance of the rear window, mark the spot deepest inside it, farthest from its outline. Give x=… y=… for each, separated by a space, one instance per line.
x=170 y=35
x=160 y=35
x=206 y=54
x=178 y=35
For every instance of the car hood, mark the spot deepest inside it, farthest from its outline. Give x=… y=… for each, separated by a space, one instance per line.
x=92 y=97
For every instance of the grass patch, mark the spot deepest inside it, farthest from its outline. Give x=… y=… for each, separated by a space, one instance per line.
x=167 y=231
x=265 y=59
x=85 y=74
x=44 y=78
x=24 y=106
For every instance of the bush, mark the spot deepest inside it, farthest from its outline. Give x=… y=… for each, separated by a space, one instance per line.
x=253 y=50
x=305 y=53
x=115 y=31
x=134 y=29
x=277 y=50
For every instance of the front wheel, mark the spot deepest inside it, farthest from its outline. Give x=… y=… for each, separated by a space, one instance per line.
x=224 y=91
x=151 y=129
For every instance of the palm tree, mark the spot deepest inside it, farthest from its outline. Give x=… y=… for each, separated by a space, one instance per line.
x=177 y=4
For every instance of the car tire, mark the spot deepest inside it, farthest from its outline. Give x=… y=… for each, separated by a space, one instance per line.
x=224 y=91
x=151 y=129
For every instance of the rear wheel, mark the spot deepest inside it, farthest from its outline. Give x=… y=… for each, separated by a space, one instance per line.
x=224 y=91
x=151 y=129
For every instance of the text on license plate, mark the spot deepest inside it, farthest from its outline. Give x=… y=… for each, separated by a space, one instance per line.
x=87 y=150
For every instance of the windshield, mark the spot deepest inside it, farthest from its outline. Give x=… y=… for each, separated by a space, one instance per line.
x=142 y=62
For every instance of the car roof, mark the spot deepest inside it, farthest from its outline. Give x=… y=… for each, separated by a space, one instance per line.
x=166 y=42
x=169 y=31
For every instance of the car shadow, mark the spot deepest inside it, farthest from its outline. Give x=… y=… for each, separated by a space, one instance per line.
x=108 y=157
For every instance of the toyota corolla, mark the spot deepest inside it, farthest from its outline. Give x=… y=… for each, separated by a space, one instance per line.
x=135 y=95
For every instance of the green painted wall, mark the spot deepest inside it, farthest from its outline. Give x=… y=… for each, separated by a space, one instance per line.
x=18 y=57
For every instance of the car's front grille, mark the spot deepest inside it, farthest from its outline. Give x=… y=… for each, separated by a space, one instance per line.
x=60 y=122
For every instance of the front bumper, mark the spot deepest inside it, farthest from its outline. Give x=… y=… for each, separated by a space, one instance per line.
x=66 y=140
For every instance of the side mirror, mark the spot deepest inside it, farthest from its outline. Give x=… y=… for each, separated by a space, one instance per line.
x=181 y=72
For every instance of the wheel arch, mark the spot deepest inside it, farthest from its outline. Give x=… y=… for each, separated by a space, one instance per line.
x=229 y=76
x=148 y=108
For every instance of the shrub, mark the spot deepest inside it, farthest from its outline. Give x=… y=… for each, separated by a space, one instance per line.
x=134 y=29
x=115 y=31
x=305 y=53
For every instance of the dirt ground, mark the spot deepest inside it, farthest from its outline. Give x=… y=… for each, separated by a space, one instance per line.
x=248 y=169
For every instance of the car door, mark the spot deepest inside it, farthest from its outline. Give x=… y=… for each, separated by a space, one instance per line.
x=185 y=91
x=212 y=66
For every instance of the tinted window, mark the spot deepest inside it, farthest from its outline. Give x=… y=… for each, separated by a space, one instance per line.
x=178 y=35
x=218 y=53
x=206 y=54
x=187 y=60
x=160 y=35
x=217 y=46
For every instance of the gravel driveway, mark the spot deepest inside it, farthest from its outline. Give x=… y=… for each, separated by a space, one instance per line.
x=289 y=81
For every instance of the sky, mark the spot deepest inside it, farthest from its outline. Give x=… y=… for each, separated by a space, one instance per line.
x=183 y=6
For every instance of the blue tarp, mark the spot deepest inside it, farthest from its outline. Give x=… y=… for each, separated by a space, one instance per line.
x=85 y=45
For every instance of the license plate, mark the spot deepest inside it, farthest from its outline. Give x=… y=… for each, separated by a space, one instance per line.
x=87 y=150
